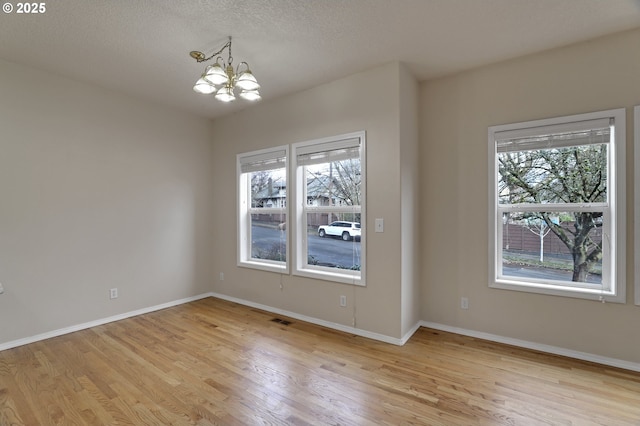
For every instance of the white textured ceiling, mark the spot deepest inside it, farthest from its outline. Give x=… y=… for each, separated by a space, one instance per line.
x=141 y=47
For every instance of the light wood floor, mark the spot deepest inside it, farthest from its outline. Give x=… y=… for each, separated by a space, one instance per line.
x=215 y=362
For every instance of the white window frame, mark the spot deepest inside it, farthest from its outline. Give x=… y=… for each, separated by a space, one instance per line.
x=636 y=136
x=614 y=283
x=301 y=208
x=245 y=210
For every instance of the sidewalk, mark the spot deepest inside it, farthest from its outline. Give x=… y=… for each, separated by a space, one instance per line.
x=562 y=262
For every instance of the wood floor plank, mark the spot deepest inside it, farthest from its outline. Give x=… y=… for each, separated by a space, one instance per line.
x=213 y=362
x=8 y=410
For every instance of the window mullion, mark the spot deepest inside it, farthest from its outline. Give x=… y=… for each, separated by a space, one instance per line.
x=555 y=207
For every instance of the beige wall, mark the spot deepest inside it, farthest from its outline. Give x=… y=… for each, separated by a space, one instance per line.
x=367 y=101
x=100 y=190
x=455 y=113
x=97 y=190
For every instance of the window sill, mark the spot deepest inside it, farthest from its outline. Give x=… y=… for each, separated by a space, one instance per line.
x=343 y=278
x=555 y=290
x=264 y=266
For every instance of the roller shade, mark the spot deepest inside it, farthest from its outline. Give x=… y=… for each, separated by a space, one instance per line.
x=328 y=152
x=587 y=132
x=264 y=161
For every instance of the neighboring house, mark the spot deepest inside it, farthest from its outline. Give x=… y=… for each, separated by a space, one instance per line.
x=274 y=194
x=319 y=187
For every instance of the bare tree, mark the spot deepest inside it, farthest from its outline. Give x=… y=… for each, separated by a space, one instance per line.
x=341 y=181
x=539 y=227
x=573 y=175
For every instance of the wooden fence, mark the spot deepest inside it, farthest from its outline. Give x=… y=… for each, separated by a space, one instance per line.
x=520 y=238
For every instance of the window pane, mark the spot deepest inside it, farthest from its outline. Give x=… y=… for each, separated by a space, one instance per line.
x=334 y=240
x=335 y=183
x=553 y=246
x=268 y=233
x=269 y=236
x=576 y=174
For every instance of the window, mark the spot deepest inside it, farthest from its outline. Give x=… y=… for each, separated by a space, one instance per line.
x=262 y=219
x=329 y=208
x=557 y=206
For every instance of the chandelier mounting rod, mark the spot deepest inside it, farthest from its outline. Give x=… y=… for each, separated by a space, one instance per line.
x=200 y=57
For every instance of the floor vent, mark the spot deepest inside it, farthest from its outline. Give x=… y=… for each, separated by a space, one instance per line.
x=281 y=321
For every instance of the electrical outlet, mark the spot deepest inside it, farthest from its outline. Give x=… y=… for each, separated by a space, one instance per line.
x=464 y=303
x=343 y=301
x=113 y=293
x=221 y=276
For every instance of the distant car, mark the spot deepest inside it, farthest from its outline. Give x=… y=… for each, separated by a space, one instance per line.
x=346 y=230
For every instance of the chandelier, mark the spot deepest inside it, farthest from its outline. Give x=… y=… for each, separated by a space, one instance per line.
x=221 y=78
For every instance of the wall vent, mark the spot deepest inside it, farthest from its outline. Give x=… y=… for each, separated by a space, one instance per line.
x=281 y=321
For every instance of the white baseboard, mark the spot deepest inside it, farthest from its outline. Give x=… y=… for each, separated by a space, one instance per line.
x=66 y=330
x=411 y=332
x=312 y=320
x=613 y=362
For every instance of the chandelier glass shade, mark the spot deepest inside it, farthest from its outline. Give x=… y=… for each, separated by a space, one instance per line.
x=221 y=79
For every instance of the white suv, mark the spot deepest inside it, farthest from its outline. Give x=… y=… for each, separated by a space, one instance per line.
x=346 y=230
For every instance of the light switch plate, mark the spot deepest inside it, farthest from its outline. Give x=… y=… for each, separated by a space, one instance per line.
x=379 y=225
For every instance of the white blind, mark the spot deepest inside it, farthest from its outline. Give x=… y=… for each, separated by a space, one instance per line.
x=329 y=151
x=586 y=132
x=263 y=161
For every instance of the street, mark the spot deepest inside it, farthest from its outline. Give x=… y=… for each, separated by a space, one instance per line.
x=334 y=252
x=326 y=251
x=545 y=274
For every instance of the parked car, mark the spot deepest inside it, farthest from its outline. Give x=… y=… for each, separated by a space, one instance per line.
x=346 y=230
